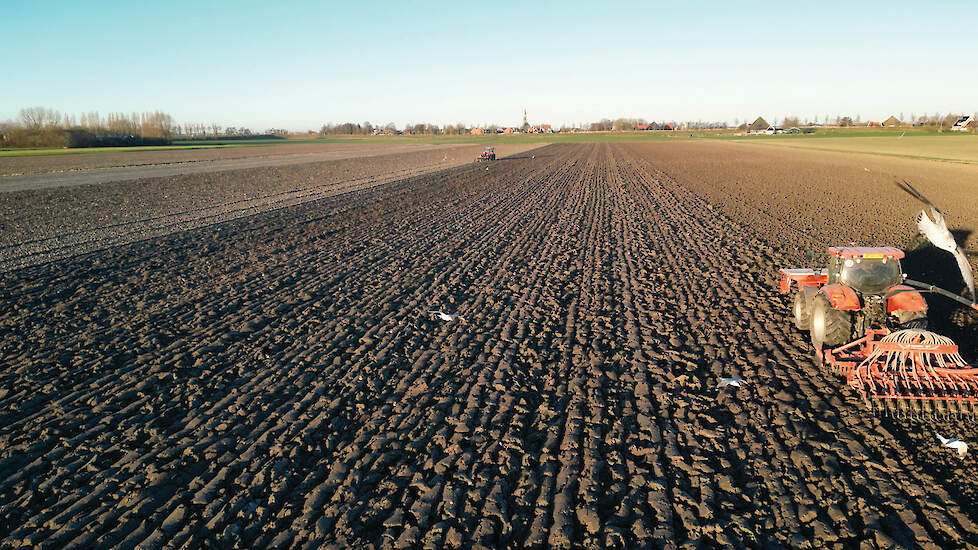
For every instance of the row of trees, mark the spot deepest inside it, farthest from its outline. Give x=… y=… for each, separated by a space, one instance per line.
x=623 y=124
x=366 y=128
x=43 y=127
x=194 y=130
x=155 y=124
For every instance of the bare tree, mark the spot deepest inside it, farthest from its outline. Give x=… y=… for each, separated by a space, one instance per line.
x=39 y=117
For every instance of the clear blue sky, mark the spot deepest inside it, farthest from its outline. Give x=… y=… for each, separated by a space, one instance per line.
x=298 y=64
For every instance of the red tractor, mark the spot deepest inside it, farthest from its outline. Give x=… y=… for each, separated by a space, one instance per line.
x=487 y=155
x=861 y=289
x=868 y=322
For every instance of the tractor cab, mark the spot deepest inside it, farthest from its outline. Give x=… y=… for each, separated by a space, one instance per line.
x=862 y=289
x=488 y=154
x=866 y=270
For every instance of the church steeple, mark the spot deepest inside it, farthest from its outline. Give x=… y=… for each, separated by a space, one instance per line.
x=524 y=117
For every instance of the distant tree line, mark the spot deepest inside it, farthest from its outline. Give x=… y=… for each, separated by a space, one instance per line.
x=627 y=124
x=197 y=131
x=366 y=129
x=43 y=127
x=347 y=128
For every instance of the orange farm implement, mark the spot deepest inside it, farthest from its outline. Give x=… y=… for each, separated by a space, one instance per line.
x=868 y=323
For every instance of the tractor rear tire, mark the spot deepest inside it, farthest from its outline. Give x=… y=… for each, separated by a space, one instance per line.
x=803 y=308
x=911 y=319
x=829 y=326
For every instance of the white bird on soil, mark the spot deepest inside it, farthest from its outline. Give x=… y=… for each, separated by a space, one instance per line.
x=447 y=316
x=724 y=382
x=936 y=232
x=960 y=446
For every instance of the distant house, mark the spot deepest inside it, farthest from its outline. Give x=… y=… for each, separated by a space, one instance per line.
x=657 y=126
x=892 y=121
x=478 y=131
x=759 y=126
x=965 y=124
x=642 y=127
x=874 y=124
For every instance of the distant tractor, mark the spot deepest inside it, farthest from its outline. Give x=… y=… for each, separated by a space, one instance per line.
x=487 y=155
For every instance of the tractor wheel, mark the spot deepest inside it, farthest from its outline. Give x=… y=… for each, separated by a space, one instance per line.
x=803 y=308
x=830 y=327
x=911 y=319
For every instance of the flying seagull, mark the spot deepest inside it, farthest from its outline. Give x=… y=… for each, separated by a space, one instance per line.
x=447 y=316
x=724 y=382
x=936 y=232
x=960 y=446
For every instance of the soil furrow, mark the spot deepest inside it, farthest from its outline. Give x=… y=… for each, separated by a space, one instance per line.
x=275 y=381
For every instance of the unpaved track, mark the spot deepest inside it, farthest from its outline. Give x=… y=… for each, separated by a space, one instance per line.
x=41 y=225
x=81 y=160
x=274 y=381
x=92 y=176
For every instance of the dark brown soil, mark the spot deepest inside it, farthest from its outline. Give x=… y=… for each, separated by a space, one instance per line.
x=73 y=162
x=805 y=201
x=44 y=224
x=274 y=381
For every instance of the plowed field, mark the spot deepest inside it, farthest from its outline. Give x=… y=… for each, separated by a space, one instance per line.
x=81 y=160
x=275 y=381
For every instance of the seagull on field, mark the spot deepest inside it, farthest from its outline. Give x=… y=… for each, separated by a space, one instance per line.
x=936 y=232
x=960 y=446
x=447 y=316
x=724 y=382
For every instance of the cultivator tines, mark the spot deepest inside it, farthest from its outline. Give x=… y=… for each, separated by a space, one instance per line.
x=912 y=372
